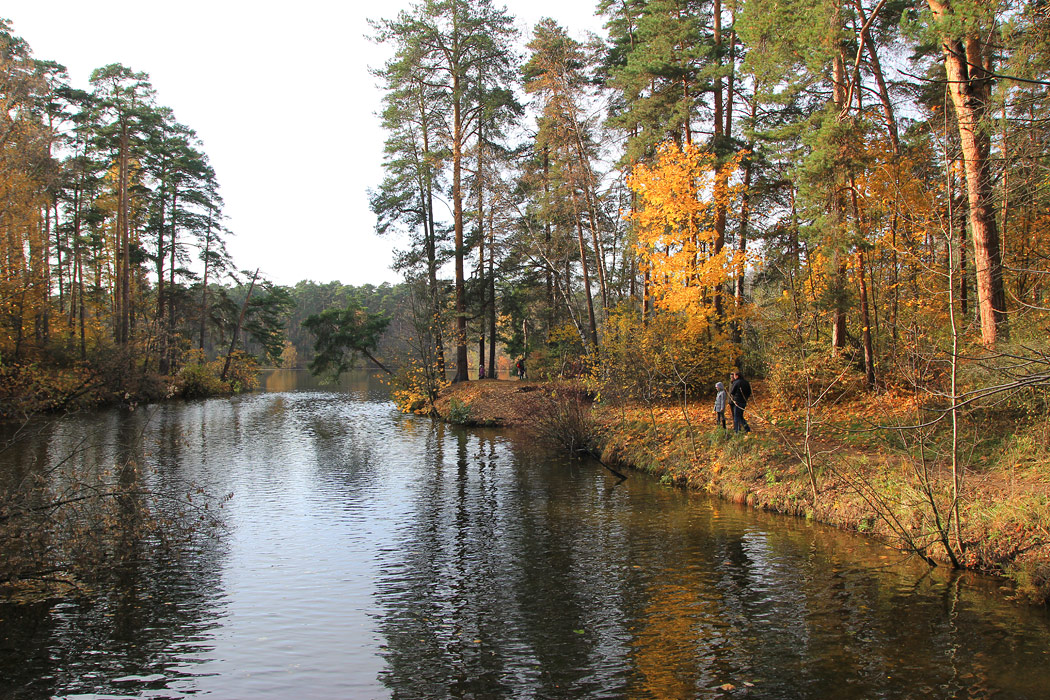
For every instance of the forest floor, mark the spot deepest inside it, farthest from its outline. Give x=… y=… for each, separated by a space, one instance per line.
x=503 y=402
x=868 y=479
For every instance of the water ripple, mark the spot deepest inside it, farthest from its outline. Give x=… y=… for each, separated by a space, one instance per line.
x=372 y=554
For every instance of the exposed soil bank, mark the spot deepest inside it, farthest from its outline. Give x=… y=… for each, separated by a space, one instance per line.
x=498 y=402
x=861 y=487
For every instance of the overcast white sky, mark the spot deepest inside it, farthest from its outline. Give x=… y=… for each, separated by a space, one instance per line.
x=281 y=97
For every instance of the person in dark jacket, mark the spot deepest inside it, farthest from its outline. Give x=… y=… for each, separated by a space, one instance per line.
x=739 y=393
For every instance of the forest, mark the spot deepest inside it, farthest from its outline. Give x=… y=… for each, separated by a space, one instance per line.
x=848 y=200
x=861 y=176
x=779 y=186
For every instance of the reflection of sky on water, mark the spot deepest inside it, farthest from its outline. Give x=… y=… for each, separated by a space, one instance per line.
x=372 y=554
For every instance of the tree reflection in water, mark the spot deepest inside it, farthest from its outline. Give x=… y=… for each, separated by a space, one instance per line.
x=373 y=554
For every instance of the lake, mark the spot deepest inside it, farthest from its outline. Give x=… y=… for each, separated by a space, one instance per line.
x=370 y=554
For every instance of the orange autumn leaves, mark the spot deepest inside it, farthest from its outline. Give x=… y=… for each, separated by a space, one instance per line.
x=678 y=242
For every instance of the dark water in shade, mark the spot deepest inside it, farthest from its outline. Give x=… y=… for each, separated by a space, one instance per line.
x=371 y=555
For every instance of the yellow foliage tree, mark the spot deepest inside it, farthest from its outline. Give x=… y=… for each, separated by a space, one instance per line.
x=678 y=243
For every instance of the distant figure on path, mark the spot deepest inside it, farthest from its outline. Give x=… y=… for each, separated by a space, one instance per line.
x=520 y=366
x=720 y=404
x=739 y=393
x=481 y=371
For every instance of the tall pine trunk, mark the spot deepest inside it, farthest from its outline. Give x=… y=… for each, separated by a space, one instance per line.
x=838 y=318
x=462 y=369
x=482 y=286
x=204 y=284
x=967 y=64
x=722 y=128
x=492 y=296
x=431 y=245
x=591 y=325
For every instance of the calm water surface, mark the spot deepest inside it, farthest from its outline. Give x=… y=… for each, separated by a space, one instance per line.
x=370 y=554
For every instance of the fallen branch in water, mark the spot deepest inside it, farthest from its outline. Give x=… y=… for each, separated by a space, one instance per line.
x=592 y=455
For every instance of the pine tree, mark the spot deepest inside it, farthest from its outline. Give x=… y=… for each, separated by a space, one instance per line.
x=457 y=45
x=125 y=102
x=412 y=160
x=556 y=73
x=659 y=55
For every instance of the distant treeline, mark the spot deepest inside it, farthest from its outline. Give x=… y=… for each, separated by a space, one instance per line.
x=309 y=298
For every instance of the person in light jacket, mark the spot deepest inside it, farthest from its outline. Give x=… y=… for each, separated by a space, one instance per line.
x=720 y=404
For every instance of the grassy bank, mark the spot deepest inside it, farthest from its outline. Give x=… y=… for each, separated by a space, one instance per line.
x=844 y=470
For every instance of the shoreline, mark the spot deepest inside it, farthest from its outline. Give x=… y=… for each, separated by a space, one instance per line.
x=860 y=489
